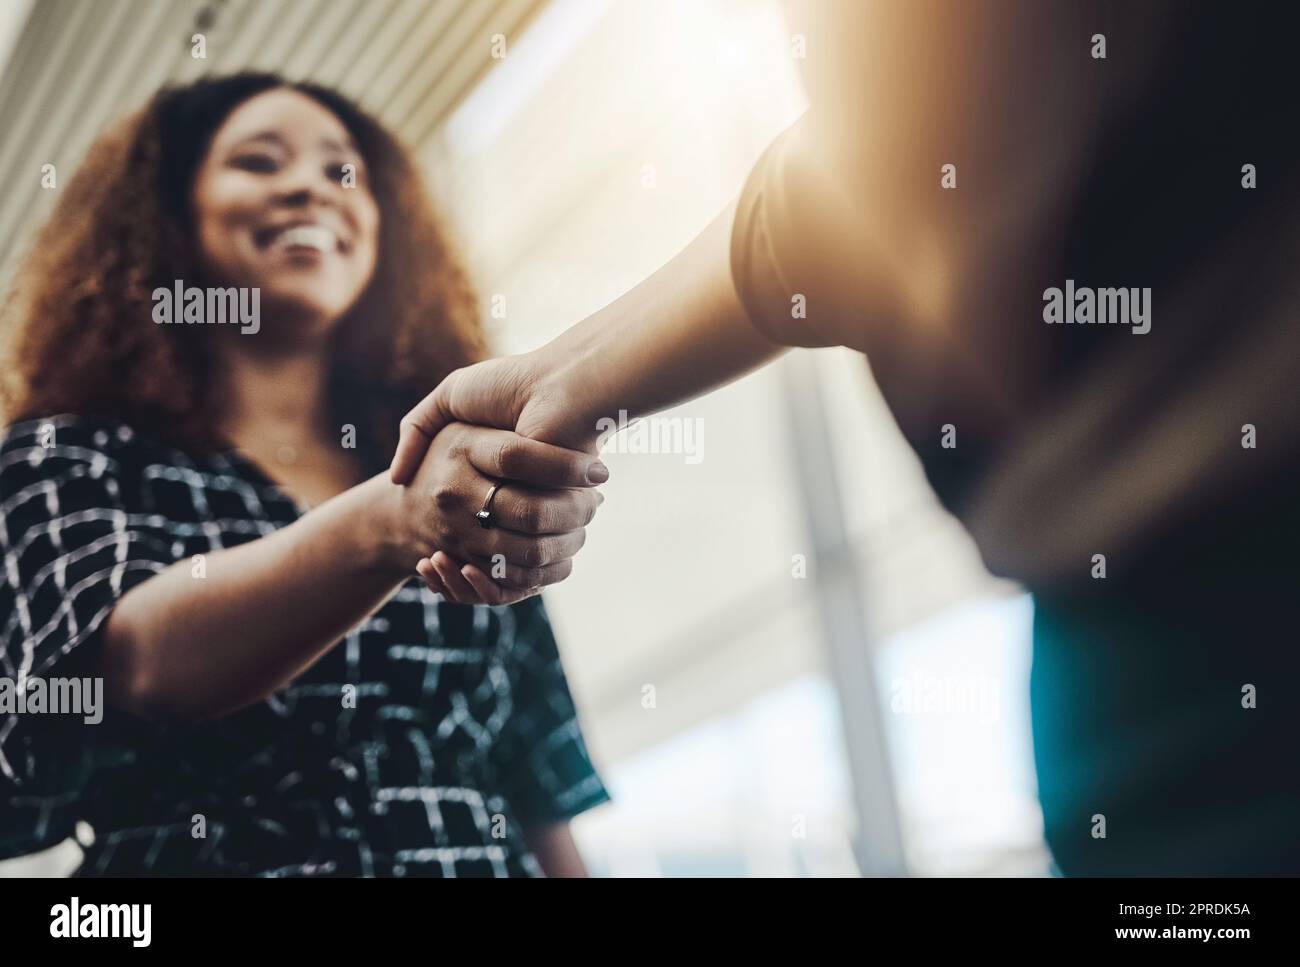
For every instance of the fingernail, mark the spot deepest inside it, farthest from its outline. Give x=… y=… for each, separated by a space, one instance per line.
x=597 y=473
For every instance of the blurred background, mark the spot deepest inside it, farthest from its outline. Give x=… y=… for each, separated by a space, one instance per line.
x=788 y=659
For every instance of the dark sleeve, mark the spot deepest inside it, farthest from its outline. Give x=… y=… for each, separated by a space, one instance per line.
x=545 y=770
x=71 y=550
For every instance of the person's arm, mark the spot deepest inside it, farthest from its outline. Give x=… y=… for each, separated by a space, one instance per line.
x=556 y=852
x=846 y=234
x=846 y=210
x=680 y=333
x=181 y=646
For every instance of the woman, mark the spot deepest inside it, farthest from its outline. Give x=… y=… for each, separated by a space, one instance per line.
x=959 y=163
x=192 y=512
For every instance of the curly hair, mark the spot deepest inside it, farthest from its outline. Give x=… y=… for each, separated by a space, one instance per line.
x=78 y=318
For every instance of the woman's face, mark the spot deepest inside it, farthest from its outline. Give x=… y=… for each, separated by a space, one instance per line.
x=274 y=210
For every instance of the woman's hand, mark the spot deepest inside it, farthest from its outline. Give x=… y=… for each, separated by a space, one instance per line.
x=537 y=528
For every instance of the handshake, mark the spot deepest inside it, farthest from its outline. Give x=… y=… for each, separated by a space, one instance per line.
x=498 y=479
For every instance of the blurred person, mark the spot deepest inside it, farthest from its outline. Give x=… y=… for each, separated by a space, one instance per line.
x=197 y=514
x=960 y=169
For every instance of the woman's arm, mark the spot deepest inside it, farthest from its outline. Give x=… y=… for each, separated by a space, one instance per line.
x=189 y=647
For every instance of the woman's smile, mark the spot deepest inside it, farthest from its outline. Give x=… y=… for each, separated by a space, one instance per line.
x=299 y=237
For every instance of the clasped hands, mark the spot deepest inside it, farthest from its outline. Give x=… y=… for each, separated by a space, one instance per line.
x=496 y=423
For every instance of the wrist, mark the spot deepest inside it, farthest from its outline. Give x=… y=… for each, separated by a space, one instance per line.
x=565 y=399
x=388 y=545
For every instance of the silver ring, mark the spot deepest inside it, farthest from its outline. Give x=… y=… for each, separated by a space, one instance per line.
x=484 y=516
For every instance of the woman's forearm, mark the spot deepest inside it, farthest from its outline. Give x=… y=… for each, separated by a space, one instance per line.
x=679 y=334
x=202 y=639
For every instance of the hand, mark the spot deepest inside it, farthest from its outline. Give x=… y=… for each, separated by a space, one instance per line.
x=510 y=393
x=537 y=531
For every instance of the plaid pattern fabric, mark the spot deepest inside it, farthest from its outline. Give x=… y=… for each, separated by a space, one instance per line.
x=462 y=727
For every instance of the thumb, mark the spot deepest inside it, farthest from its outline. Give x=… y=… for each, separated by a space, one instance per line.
x=418 y=429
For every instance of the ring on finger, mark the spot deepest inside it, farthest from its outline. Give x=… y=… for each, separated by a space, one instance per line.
x=484 y=516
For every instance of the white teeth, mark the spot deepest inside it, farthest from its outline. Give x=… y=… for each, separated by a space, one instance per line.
x=309 y=236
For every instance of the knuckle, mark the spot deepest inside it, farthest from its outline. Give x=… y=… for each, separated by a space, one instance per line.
x=445 y=499
x=457 y=440
x=533 y=516
x=534 y=554
x=559 y=548
x=508 y=457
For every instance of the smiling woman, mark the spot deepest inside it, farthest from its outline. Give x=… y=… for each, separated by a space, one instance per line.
x=131 y=220
x=199 y=521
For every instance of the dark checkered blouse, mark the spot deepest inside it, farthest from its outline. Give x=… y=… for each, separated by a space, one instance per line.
x=461 y=730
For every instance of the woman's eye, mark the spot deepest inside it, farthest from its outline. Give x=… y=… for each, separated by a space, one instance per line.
x=255 y=162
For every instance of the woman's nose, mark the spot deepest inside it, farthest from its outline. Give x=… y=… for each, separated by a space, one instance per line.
x=302 y=183
x=297 y=197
